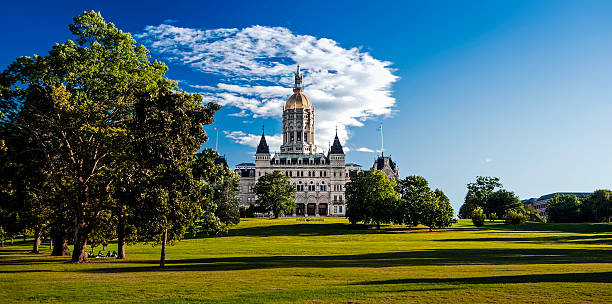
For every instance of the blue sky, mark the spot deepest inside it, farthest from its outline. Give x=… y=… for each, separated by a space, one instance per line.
x=515 y=89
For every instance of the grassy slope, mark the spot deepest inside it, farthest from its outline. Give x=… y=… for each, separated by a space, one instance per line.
x=284 y=260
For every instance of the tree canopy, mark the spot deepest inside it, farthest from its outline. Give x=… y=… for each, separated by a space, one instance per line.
x=275 y=194
x=478 y=194
x=371 y=198
x=113 y=139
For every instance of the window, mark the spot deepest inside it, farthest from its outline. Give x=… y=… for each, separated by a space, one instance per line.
x=305 y=136
x=335 y=209
x=292 y=136
x=340 y=209
x=299 y=137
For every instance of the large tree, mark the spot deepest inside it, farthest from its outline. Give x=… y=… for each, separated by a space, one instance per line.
x=371 y=198
x=168 y=131
x=86 y=91
x=275 y=194
x=478 y=194
x=600 y=205
x=564 y=209
x=415 y=194
x=502 y=201
x=420 y=205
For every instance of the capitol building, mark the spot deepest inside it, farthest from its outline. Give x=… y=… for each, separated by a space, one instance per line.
x=319 y=178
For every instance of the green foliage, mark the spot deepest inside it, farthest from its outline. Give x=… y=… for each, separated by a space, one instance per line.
x=275 y=194
x=600 y=205
x=514 y=217
x=223 y=183
x=111 y=135
x=478 y=194
x=415 y=194
x=419 y=205
x=564 y=209
x=500 y=202
x=438 y=212
x=478 y=217
x=371 y=198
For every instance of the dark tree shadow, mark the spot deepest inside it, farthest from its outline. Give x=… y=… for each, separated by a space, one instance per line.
x=590 y=277
x=591 y=239
x=392 y=259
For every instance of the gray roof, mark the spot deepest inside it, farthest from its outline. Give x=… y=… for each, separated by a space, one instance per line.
x=336 y=147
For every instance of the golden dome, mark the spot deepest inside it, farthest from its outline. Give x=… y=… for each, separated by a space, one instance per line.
x=298 y=101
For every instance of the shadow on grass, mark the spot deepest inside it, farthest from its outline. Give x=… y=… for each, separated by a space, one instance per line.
x=590 y=277
x=591 y=239
x=329 y=229
x=550 y=227
x=393 y=259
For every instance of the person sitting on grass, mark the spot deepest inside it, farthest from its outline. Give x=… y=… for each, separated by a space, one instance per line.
x=108 y=254
x=114 y=254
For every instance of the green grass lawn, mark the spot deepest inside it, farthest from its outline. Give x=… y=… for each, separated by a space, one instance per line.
x=284 y=260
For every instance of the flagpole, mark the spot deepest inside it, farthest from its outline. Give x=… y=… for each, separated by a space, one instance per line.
x=217 y=140
x=382 y=142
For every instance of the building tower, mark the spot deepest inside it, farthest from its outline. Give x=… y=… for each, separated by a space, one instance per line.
x=262 y=156
x=337 y=166
x=298 y=121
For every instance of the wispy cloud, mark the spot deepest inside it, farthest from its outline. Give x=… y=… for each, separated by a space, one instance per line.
x=364 y=149
x=487 y=160
x=252 y=140
x=347 y=86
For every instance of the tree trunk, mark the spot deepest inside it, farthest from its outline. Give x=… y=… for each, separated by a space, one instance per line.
x=37 y=240
x=2 y=242
x=50 y=242
x=60 y=247
x=121 y=235
x=25 y=237
x=377 y=225
x=12 y=240
x=79 y=254
x=162 y=261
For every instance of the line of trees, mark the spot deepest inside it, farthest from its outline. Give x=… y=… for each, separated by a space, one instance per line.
x=96 y=144
x=596 y=207
x=487 y=194
x=374 y=198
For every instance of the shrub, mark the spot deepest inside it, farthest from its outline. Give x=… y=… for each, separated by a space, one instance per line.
x=478 y=217
x=514 y=218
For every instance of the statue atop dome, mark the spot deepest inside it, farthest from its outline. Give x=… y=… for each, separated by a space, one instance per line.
x=298 y=80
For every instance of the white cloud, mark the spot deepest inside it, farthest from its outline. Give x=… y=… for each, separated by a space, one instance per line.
x=487 y=160
x=364 y=149
x=347 y=86
x=252 y=140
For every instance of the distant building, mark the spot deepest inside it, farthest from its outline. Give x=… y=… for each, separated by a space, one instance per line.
x=540 y=204
x=386 y=165
x=351 y=170
x=246 y=194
